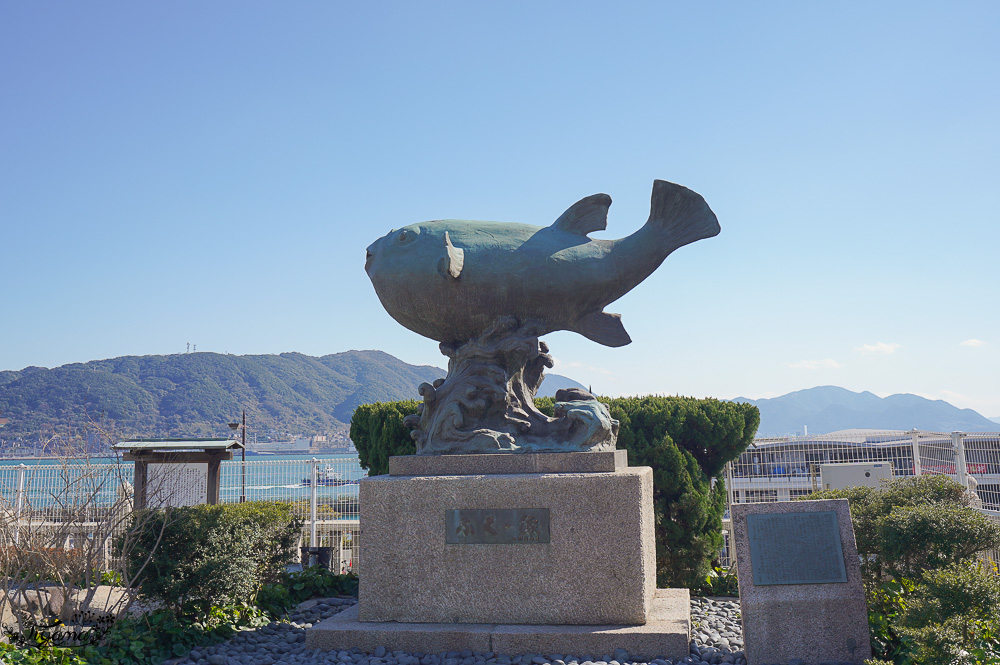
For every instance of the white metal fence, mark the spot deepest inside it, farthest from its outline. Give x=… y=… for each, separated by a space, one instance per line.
x=323 y=493
x=83 y=500
x=788 y=468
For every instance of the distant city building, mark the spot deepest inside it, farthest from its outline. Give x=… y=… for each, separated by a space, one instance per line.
x=297 y=446
x=785 y=468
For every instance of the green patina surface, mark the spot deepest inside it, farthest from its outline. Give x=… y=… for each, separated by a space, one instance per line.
x=450 y=280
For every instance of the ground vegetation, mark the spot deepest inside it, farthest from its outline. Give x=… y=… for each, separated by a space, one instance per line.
x=932 y=589
x=196 y=557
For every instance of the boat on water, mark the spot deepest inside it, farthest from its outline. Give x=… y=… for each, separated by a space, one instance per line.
x=328 y=477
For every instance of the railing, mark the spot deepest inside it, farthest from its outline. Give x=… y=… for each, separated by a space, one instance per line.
x=76 y=501
x=323 y=493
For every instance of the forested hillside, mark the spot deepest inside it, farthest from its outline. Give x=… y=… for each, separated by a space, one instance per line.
x=196 y=394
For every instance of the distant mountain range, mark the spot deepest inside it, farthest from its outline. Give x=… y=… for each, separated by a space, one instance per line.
x=829 y=408
x=196 y=394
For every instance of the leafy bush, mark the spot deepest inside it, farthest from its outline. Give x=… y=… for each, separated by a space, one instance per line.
x=40 y=655
x=886 y=603
x=686 y=441
x=962 y=602
x=197 y=557
x=720 y=581
x=929 y=601
x=204 y=562
x=912 y=525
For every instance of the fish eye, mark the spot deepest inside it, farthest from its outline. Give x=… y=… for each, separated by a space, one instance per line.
x=406 y=235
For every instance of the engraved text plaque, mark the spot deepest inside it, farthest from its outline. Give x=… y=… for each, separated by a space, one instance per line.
x=177 y=484
x=796 y=548
x=497 y=526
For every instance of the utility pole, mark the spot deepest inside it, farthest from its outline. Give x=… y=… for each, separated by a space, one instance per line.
x=243 y=466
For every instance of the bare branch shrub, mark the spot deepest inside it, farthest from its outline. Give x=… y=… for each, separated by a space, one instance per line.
x=58 y=526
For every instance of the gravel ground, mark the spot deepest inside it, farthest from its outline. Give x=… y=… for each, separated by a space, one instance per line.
x=717 y=638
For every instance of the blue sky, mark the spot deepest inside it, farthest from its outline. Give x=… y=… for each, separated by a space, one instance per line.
x=212 y=173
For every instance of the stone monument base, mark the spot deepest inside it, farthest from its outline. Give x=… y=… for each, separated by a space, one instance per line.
x=666 y=634
x=501 y=542
x=511 y=553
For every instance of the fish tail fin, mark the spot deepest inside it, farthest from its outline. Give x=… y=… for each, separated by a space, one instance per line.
x=683 y=215
x=604 y=328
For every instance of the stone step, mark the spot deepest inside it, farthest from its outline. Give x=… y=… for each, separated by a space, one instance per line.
x=666 y=634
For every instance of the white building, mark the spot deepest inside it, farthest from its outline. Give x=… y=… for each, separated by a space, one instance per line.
x=782 y=469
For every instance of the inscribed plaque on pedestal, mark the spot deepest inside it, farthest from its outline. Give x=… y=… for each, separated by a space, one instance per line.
x=796 y=548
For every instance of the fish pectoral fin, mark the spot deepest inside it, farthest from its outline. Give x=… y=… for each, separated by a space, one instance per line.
x=450 y=265
x=603 y=328
x=586 y=215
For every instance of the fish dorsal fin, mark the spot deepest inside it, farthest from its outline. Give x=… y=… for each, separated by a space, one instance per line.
x=450 y=265
x=603 y=328
x=586 y=215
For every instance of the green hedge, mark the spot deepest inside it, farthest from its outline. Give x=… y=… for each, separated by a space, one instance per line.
x=686 y=441
x=930 y=600
x=378 y=432
x=197 y=557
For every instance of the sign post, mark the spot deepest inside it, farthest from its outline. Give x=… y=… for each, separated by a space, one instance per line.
x=176 y=472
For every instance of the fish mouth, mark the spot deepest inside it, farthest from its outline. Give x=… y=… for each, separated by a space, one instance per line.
x=368 y=260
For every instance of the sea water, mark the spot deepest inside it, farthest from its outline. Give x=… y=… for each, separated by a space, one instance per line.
x=45 y=481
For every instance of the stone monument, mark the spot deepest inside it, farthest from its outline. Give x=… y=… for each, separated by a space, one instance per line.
x=800 y=582
x=547 y=544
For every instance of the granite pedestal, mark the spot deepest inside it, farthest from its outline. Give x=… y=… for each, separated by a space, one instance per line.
x=584 y=582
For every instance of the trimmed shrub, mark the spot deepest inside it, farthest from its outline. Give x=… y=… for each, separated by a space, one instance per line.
x=378 y=433
x=929 y=601
x=913 y=525
x=197 y=557
x=686 y=441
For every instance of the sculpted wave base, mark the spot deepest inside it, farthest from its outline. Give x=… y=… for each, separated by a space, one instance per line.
x=486 y=403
